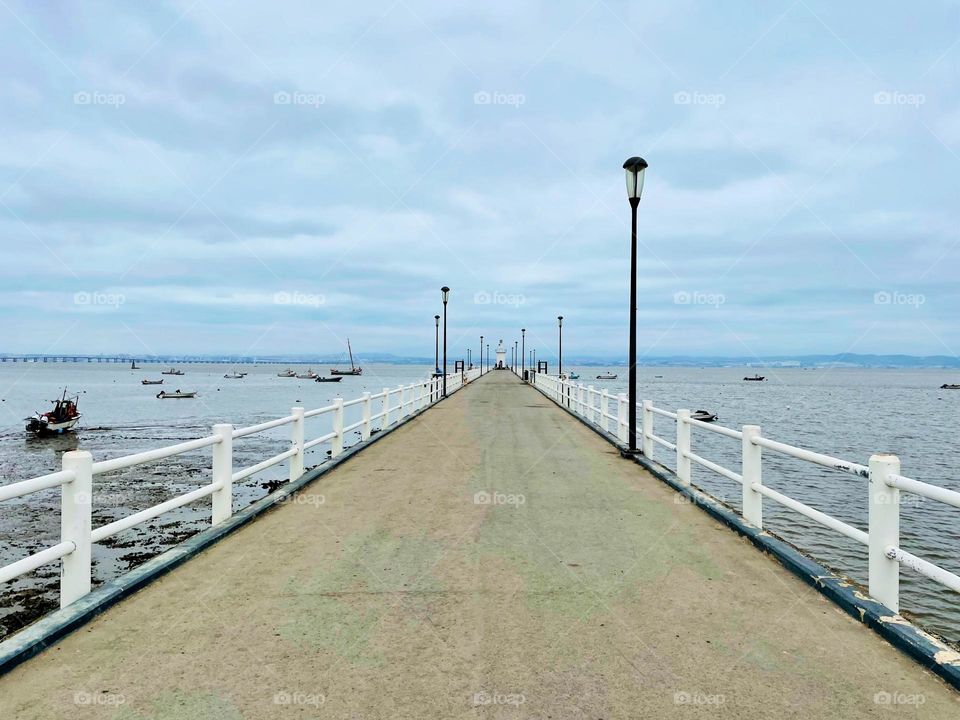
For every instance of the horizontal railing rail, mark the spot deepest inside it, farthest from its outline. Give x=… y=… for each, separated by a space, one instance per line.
x=885 y=483
x=75 y=479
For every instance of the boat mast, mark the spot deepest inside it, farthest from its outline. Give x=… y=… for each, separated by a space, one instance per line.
x=350 y=350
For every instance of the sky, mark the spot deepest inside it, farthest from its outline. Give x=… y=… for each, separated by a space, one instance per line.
x=225 y=177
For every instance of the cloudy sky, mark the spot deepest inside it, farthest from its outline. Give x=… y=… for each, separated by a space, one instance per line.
x=238 y=177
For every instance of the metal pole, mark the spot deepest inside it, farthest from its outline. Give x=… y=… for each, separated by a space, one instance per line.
x=436 y=345
x=523 y=350
x=444 y=348
x=481 y=355
x=632 y=391
x=560 y=345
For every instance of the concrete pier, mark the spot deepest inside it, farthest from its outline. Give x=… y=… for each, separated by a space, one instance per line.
x=491 y=558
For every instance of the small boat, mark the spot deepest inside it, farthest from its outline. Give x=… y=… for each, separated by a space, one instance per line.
x=328 y=379
x=164 y=395
x=948 y=386
x=308 y=375
x=658 y=376
x=607 y=376
x=703 y=416
x=134 y=366
x=59 y=420
x=287 y=373
x=573 y=376
x=172 y=371
x=354 y=370
x=755 y=378
x=234 y=376
x=151 y=382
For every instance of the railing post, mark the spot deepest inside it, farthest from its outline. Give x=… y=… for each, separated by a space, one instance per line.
x=336 y=445
x=385 y=410
x=401 y=408
x=752 y=471
x=580 y=394
x=683 y=446
x=297 y=440
x=884 y=530
x=367 y=414
x=222 y=499
x=75 y=526
x=622 y=417
x=604 y=408
x=646 y=429
x=417 y=397
x=589 y=413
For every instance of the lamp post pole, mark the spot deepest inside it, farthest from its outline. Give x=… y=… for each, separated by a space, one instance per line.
x=446 y=294
x=523 y=350
x=560 y=344
x=436 y=346
x=481 y=355
x=635 y=168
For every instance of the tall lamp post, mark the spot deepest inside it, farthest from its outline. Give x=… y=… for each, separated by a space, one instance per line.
x=481 y=354
x=635 y=168
x=446 y=295
x=523 y=350
x=436 y=346
x=488 y=355
x=516 y=355
x=560 y=348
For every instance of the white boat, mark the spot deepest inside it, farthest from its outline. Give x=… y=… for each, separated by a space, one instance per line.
x=172 y=371
x=179 y=394
x=234 y=376
x=59 y=420
x=287 y=373
x=308 y=375
x=607 y=376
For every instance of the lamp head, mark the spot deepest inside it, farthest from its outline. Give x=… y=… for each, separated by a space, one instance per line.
x=635 y=168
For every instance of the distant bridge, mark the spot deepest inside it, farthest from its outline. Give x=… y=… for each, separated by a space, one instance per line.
x=154 y=361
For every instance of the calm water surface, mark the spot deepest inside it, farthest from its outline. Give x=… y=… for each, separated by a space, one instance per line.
x=849 y=413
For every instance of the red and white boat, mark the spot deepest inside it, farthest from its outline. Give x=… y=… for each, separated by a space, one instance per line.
x=59 y=420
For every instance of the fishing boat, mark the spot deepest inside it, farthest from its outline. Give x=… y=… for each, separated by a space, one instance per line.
x=172 y=371
x=948 y=386
x=287 y=373
x=151 y=382
x=354 y=370
x=607 y=376
x=755 y=378
x=59 y=420
x=234 y=376
x=308 y=375
x=703 y=416
x=329 y=379
x=179 y=394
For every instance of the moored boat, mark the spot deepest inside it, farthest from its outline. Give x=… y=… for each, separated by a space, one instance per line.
x=308 y=375
x=329 y=379
x=179 y=394
x=151 y=382
x=354 y=370
x=607 y=376
x=755 y=378
x=703 y=416
x=949 y=386
x=234 y=376
x=61 y=419
x=287 y=373
x=172 y=371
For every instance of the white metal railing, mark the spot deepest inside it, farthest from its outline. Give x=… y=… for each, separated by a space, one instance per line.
x=885 y=483
x=76 y=476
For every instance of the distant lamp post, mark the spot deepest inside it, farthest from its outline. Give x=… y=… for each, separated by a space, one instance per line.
x=523 y=350
x=488 y=355
x=481 y=354
x=516 y=358
x=436 y=347
x=446 y=296
x=560 y=343
x=635 y=168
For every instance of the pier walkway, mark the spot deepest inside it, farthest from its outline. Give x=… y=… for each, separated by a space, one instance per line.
x=491 y=558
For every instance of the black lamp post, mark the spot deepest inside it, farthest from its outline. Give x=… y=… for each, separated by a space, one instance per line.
x=436 y=346
x=523 y=350
x=560 y=349
x=481 y=354
x=446 y=295
x=516 y=357
x=488 y=354
x=635 y=168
